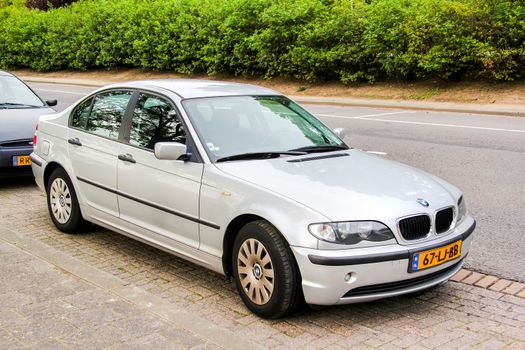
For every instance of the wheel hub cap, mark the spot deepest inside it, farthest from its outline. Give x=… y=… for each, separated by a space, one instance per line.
x=60 y=200
x=255 y=269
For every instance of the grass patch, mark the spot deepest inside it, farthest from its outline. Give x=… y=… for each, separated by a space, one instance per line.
x=425 y=95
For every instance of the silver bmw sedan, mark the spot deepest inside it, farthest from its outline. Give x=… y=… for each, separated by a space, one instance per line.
x=245 y=182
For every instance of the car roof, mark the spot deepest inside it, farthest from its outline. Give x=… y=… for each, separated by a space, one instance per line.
x=194 y=88
x=4 y=73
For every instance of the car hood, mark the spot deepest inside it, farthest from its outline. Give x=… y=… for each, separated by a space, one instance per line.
x=348 y=185
x=20 y=123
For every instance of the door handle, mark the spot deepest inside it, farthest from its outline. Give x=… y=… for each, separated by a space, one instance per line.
x=126 y=158
x=75 y=141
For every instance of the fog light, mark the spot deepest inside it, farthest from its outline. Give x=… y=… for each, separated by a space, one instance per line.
x=350 y=277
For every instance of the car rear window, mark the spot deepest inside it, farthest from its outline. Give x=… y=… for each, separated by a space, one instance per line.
x=80 y=115
x=102 y=115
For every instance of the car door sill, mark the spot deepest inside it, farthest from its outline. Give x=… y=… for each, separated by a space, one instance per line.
x=182 y=250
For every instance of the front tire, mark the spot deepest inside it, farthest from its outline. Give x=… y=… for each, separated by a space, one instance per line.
x=265 y=271
x=62 y=202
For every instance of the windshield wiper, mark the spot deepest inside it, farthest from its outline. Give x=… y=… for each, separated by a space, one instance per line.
x=8 y=104
x=259 y=155
x=319 y=148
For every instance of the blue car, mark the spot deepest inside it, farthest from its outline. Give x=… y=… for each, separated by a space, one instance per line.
x=20 y=109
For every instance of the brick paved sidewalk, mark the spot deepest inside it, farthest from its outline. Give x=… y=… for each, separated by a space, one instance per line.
x=43 y=307
x=453 y=316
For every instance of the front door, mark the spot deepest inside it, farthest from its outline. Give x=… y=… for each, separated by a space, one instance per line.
x=158 y=195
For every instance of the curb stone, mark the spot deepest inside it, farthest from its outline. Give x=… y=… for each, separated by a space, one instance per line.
x=490 y=282
x=515 y=110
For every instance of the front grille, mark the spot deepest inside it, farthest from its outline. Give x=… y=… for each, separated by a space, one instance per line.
x=17 y=143
x=398 y=285
x=444 y=219
x=414 y=227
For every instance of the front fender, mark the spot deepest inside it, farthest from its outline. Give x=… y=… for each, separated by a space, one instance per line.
x=224 y=197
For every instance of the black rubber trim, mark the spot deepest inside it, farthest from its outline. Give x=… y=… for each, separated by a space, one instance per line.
x=34 y=160
x=469 y=231
x=299 y=160
x=97 y=185
x=149 y=204
x=374 y=258
x=346 y=260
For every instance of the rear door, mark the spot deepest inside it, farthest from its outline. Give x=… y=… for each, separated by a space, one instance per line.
x=159 y=195
x=93 y=144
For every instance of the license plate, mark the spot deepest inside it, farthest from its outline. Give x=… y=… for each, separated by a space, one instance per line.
x=21 y=160
x=433 y=257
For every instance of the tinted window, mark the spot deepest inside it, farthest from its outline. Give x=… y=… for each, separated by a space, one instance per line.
x=155 y=120
x=107 y=113
x=80 y=115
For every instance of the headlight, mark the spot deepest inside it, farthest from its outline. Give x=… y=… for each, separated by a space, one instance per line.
x=462 y=209
x=351 y=232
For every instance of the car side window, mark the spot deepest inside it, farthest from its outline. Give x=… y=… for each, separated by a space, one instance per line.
x=80 y=115
x=155 y=120
x=107 y=112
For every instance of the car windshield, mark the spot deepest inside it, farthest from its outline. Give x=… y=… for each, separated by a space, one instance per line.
x=233 y=128
x=15 y=94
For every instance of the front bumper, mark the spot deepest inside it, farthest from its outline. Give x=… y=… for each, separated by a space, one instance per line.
x=7 y=169
x=348 y=276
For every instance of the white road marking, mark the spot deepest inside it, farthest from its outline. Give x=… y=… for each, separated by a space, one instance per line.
x=445 y=125
x=62 y=91
x=364 y=116
x=378 y=153
x=370 y=117
x=72 y=85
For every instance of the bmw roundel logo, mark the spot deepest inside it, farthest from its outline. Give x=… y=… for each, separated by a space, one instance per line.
x=423 y=202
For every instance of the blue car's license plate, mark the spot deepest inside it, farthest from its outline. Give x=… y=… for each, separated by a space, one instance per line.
x=21 y=161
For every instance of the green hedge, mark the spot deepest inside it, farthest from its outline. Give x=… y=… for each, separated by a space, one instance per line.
x=313 y=40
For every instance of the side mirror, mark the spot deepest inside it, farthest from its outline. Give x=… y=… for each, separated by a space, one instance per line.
x=340 y=132
x=171 y=151
x=51 y=103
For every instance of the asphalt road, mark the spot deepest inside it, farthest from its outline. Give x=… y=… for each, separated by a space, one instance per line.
x=482 y=155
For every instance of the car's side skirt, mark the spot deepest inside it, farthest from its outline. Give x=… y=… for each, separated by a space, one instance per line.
x=148 y=237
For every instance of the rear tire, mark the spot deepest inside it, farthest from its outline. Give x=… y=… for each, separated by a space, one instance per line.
x=62 y=203
x=265 y=272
